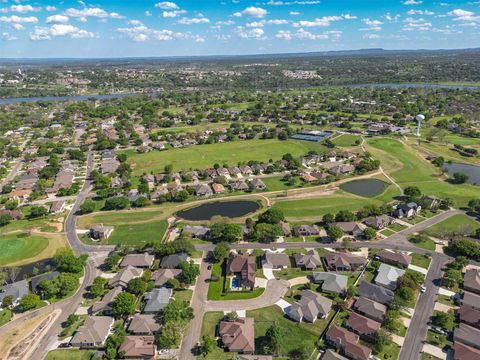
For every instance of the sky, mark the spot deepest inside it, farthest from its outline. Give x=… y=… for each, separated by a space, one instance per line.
x=144 y=28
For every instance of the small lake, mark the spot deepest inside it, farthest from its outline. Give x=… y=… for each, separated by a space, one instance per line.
x=365 y=187
x=230 y=209
x=472 y=171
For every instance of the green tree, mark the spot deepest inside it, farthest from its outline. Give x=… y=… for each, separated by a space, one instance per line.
x=37 y=211
x=88 y=206
x=137 y=286
x=207 y=345
x=334 y=232
x=442 y=319
x=97 y=289
x=225 y=233
x=221 y=251
x=459 y=178
x=190 y=271
x=413 y=192
x=267 y=233
x=370 y=233
x=273 y=339
x=124 y=304
x=177 y=310
x=29 y=302
x=271 y=216
x=66 y=261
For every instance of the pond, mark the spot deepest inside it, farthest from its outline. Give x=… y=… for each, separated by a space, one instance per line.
x=230 y=209
x=472 y=171
x=365 y=187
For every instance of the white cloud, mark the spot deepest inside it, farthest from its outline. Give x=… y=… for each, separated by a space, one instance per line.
x=222 y=37
x=262 y=23
x=135 y=22
x=173 y=13
x=252 y=11
x=299 y=2
x=56 y=30
x=226 y=23
x=294 y=13
x=57 y=19
x=412 y=2
x=192 y=21
x=148 y=13
x=50 y=8
x=83 y=14
x=18 y=26
x=304 y=34
x=7 y=37
x=20 y=9
x=390 y=17
x=371 y=36
x=256 y=33
x=143 y=33
x=18 y=19
x=412 y=24
x=465 y=16
x=372 y=25
x=420 y=12
x=167 y=5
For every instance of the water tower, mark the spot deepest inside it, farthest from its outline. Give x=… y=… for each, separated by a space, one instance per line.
x=419 y=119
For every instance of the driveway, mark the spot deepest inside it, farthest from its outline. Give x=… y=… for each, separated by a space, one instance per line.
x=268 y=273
x=446 y=292
x=435 y=351
x=284 y=305
x=418 y=268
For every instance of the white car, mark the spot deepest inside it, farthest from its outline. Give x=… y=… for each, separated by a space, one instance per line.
x=423 y=289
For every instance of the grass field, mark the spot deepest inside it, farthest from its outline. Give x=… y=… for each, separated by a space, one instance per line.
x=421 y=260
x=5 y=316
x=455 y=224
x=205 y=156
x=69 y=354
x=118 y=218
x=345 y=140
x=426 y=244
x=209 y=324
x=408 y=168
x=19 y=247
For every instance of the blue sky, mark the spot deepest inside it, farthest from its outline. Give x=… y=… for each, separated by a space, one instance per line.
x=121 y=28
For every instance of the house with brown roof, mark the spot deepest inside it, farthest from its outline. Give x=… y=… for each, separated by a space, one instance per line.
x=471 y=280
x=238 y=335
x=104 y=304
x=467 y=335
x=57 y=207
x=275 y=260
x=372 y=309
x=218 y=188
x=306 y=230
x=471 y=299
x=310 y=307
x=380 y=222
x=311 y=260
x=138 y=347
x=242 y=267
x=93 y=332
x=161 y=276
x=465 y=352
x=351 y=228
x=394 y=258
x=340 y=261
x=285 y=228
x=363 y=326
x=203 y=190
x=469 y=315
x=144 y=324
x=347 y=342
x=144 y=260
x=124 y=276
x=258 y=184
x=332 y=355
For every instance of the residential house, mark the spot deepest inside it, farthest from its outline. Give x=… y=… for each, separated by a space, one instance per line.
x=243 y=268
x=218 y=188
x=276 y=260
x=471 y=280
x=239 y=335
x=465 y=352
x=351 y=228
x=138 y=347
x=173 y=261
x=161 y=276
x=469 y=315
x=371 y=309
x=347 y=342
x=332 y=355
x=375 y=292
x=101 y=232
x=285 y=228
x=471 y=299
x=109 y=166
x=144 y=260
x=104 y=305
x=15 y=290
x=246 y=170
x=340 y=261
x=202 y=190
x=144 y=324
x=387 y=276
x=306 y=177
x=258 y=184
x=407 y=210
x=93 y=332
x=394 y=258
x=15 y=214
x=363 y=326
x=156 y=300
x=310 y=307
x=311 y=260
x=20 y=194
x=234 y=171
x=467 y=335
x=124 y=276
x=306 y=230
x=430 y=202
x=57 y=207
x=240 y=185
x=331 y=282
x=197 y=231
x=379 y=222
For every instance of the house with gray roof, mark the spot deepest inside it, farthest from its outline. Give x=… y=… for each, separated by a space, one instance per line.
x=173 y=261
x=15 y=290
x=375 y=292
x=197 y=231
x=310 y=307
x=93 y=332
x=331 y=282
x=471 y=299
x=161 y=276
x=394 y=258
x=467 y=335
x=471 y=280
x=144 y=260
x=156 y=300
x=379 y=222
x=387 y=276
x=104 y=304
x=311 y=260
x=144 y=324
x=124 y=276
x=371 y=309
x=276 y=260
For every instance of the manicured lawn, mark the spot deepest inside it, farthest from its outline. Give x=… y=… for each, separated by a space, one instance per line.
x=294 y=335
x=275 y=183
x=438 y=340
x=118 y=218
x=397 y=227
x=346 y=140
x=209 y=324
x=390 y=351
x=215 y=288
x=134 y=234
x=426 y=356
x=205 y=156
x=183 y=295
x=447 y=300
x=424 y=244
x=5 y=316
x=414 y=220
x=387 y=232
x=455 y=224
x=18 y=247
x=70 y=354
x=421 y=260
x=291 y=273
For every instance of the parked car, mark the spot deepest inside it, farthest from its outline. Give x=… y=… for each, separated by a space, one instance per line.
x=423 y=289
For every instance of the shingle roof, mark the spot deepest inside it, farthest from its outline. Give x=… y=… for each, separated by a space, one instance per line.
x=464 y=352
x=138 y=346
x=387 y=276
x=396 y=257
x=16 y=290
x=157 y=299
x=310 y=260
x=94 y=331
x=137 y=260
x=276 y=259
x=375 y=292
x=161 y=276
x=467 y=335
x=370 y=308
x=173 y=261
x=362 y=324
x=331 y=282
x=124 y=276
x=238 y=335
x=144 y=324
x=471 y=280
x=471 y=299
x=310 y=306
